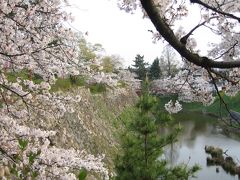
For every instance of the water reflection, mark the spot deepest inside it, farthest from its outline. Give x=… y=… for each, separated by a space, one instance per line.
x=198 y=131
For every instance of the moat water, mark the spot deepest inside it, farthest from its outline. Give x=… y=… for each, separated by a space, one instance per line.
x=198 y=131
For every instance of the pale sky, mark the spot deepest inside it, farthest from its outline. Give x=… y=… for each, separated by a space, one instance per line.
x=119 y=32
x=122 y=33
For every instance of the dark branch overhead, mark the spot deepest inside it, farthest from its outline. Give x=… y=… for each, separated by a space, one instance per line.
x=167 y=33
x=232 y=16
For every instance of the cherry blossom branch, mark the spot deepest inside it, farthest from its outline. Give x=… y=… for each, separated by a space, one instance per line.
x=168 y=34
x=7 y=155
x=227 y=51
x=219 y=95
x=33 y=52
x=5 y=101
x=223 y=76
x=185 y=38
x=221 y=99
x=9 y=89
x=215 y=9
x=186 y=81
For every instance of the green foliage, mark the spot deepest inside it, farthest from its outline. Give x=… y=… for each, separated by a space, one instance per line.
x=61 y=84
x=11 y=14
x=97 y=88
x=64 y=84
x=107 y=64
x=215 y=108
x=142 y=145
x=94 y=67
x=32 y=156
x=53 y=42
x=77 y=80
x=122 y=84
x=24 y=74
x=140 y=67
x=88 y=51
x=127 y=116
x=82 y=174
x=181 y=172
x=22 y=144
x=155 y=71
x=232 y=102
x=25 y=171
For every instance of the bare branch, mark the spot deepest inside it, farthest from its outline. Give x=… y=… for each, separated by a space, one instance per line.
x=185 y=38
x=223 y=76
x=232 y=47
x=221 y=99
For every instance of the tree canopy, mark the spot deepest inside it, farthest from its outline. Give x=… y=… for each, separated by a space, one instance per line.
x=154 y=70
x=37 y=48
x=142 y=144
x=139 y=67
x=221 y=18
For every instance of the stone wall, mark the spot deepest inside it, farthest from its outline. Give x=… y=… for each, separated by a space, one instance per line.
x=94 y=125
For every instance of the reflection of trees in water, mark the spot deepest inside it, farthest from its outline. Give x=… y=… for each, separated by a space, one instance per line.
x=198 y=132
x=172 y=153
x=188 y=134
x=194 y=125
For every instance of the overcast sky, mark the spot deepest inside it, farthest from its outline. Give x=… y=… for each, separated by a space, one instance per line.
x=119 y=32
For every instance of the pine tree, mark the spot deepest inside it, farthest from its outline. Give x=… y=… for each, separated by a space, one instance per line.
x=142 y=146
x=155 y=71
x=140 y=67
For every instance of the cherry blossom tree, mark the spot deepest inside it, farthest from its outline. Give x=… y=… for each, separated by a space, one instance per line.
x=36 y=42
x=169 y=63
x=221 y=18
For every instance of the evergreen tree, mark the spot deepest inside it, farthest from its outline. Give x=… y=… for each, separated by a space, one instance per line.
x=140 y=67
x=155 y=71
x=142 y=146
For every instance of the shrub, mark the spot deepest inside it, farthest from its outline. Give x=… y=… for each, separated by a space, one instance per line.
x=97 y=88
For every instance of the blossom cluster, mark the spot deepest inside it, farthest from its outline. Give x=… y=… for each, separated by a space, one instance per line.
x=36 y=48
x=173 y=107
x=52 y=161
x=34 y=41
x=188 y=85
x=112 y=79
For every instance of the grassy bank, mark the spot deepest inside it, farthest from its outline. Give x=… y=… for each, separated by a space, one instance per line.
x=215 y=108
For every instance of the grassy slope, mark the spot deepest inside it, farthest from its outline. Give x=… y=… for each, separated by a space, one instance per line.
x=61 y=84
